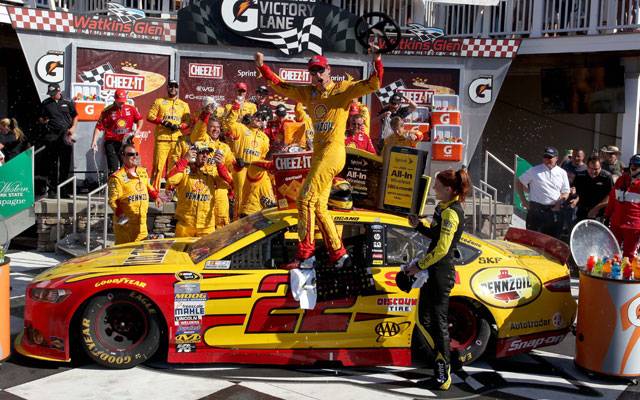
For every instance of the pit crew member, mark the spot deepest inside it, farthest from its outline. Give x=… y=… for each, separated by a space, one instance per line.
x=355 y=136
x=129 y=193
x=624 y=208
x=401 y=137
x=328 y=103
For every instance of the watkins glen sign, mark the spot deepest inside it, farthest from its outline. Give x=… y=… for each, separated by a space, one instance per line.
x=290 y=26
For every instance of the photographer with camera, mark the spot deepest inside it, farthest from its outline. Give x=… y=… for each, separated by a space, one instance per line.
x=117 y=123
x=196 y=185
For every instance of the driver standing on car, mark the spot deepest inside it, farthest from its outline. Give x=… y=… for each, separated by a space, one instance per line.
x=196 y=185
x=129 y=193
x=328 y=103
x=451 y=189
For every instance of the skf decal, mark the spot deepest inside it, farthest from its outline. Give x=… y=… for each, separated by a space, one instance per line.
x=389 y=329
x=506 y=287
x=489 y=260
x=188 y=338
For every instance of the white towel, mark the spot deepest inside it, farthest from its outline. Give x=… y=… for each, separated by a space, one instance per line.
x=421 y=277
x=303 y=287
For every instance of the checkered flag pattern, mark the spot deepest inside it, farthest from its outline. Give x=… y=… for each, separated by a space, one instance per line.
x=309 y=37
x=338 y=32
x=385 y=93
x=197 y=25
x=169 y=31
x=494 y=48
x=97 y=74
x=42 y=20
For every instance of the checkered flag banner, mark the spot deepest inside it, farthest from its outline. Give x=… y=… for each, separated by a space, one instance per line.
x=97 y=74
x=385 y=93
x=293 y=41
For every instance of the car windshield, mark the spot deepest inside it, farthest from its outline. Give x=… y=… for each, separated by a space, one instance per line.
x=223 y=237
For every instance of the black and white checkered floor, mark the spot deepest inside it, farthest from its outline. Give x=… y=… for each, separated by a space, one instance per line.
x=540 y=374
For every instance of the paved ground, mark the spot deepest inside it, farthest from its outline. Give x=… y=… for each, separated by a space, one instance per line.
x=549 y=373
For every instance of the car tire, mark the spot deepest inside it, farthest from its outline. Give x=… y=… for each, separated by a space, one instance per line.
x=469 y=334
x=120 y=329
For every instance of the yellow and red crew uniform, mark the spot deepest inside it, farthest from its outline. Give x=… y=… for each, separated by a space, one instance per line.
x=246 y=108
x=258 y=188
x=196 y=189
x=359 y=108
x=174 y=111
x=249 y=144
x=360 y=141
x=329 y=110
x=129 y=195
x=199 y=134
x=302 y=116
x=402 y=140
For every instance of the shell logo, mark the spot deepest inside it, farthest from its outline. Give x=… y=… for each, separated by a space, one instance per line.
x=509 y=287
x=138 y=186
x=121 y=123
x=254 y=144
x=320 y=111
x=199 y=185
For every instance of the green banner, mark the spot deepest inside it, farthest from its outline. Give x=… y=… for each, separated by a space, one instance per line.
x=521 y=166
x=16 y=184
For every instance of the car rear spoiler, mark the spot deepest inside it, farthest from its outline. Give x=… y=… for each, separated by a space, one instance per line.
x=548 y=244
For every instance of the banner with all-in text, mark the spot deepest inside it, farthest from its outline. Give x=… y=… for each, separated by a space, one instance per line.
x=16 y=184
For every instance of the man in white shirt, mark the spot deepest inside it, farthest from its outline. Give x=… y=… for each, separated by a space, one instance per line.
x=548 y=187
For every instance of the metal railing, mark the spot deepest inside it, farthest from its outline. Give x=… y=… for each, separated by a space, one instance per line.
x=477 y=210
x=75 y=220
x=105 y=219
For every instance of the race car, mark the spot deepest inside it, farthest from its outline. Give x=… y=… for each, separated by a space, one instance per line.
x=223 y=298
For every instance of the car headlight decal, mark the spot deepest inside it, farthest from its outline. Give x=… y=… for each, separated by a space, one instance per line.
x=50 y=295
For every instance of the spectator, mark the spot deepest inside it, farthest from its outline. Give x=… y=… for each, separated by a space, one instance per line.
x=260 y=100
x=117 y=123
x=359 y=108
x=593 y=190
x=276 y=130
x=196 y=186
x=12 y=139
x=548 y=186
x=355 y=136
x=611 y=163
x=624 y=208
x=258 y=190
x=129 y=193
x=302 y=116
x=400 y=137
x=393 y=109
x=575 y=165
x=60 y=119
x=171 y=115
x=602 y=154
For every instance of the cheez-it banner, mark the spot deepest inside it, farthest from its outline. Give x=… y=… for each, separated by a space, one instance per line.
x=142 y=76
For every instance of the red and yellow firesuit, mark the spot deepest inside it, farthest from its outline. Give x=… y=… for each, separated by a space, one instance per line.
x=329 y=110
x=199 y=134
x=360 y=141
x=247 y=108
x=402 y=140
x=129 y=195
x=175 y=111
x=196 y=189
x=250 y=144
x=624 y=212
x=366 y=117
x=258 y=188
x=302 y=116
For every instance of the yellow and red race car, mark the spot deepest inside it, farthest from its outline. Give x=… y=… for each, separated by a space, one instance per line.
x=223 y=298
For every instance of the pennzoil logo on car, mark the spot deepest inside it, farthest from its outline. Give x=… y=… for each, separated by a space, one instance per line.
x=506 y=287
x=389 y=329
x=188 y=276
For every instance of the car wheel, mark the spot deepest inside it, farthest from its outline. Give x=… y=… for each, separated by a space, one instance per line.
x=120 y=329
x=469 y=332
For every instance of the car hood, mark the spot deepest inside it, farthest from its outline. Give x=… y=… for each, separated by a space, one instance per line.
x=132 y=256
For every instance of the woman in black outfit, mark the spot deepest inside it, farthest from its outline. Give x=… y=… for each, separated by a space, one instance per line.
x=12 y=140
x=451 y=189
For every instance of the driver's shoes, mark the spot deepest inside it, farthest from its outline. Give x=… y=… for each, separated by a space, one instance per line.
x=297 y=262
x=344 y=261
x=441 y=380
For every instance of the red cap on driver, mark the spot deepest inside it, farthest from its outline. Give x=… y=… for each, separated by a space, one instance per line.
x=317 y=62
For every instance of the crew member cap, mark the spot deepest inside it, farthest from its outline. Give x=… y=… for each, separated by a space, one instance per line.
x=317 y=62
x=262 y=90
x=354 y=109
x=172 y=83
x=202 y=147
x=53 y=88
x=241 y=85
x=120 y=96
x=281 y=110
x=551 y=151
x=395 y=99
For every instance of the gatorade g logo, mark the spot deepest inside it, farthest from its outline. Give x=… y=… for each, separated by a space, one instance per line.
x=448 y=150
x=445 y=118
x=630 y=318
x=320 y=111
x=390 y=329
x=50 y=67
x=88 y=109
x=480 y=90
